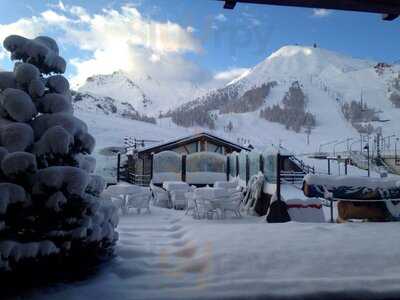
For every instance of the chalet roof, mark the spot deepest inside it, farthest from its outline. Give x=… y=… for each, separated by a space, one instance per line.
x=389 y=8
x=189 y=139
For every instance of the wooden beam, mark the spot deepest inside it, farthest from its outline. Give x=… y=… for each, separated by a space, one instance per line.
x=389 y=8
x=230 y=4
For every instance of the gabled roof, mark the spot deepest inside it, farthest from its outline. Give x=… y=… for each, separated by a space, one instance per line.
x=188 y=139
x=389 y=8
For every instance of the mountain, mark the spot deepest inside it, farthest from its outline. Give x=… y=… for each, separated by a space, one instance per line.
x=88 y=102
x=299 y=91
x=298 y=96
x=145 y=94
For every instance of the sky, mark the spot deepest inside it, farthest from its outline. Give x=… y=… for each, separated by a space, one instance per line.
x=189 y=40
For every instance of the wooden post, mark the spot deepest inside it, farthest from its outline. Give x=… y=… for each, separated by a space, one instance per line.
x=151 y=166
x=278 y=177
x=237 y=165
x=183 y=167
x=247 y=169
x=118 y=166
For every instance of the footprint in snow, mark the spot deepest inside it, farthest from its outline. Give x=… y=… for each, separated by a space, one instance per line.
x=178 y=234
x=175 y=221
x=187 y=252
x=199 y=265
x=180 y=243
x=175 y=228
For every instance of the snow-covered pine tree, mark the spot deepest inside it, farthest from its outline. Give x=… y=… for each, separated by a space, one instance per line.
x=51 y=213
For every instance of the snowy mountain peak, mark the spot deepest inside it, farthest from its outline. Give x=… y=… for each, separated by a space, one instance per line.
x=301 y=62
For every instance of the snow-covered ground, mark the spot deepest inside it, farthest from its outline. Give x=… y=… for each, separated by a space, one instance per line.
x=167 y=255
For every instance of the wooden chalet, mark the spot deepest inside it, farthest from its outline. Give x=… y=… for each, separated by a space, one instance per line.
x=140 y=162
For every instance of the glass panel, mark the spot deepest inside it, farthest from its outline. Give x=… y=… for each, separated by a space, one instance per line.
x=254 y=160
x=205 y=168
x=212 y=148
x=270 y=165
x=192 y=148
x=232 y=164
x=167 y=166
x=242 y=165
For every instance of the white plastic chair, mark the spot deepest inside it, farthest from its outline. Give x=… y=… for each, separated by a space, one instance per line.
x=160 y=196
x=233 y=204
x=192 y=205
x=178 y=199
x=139 y=202
x=206 y=208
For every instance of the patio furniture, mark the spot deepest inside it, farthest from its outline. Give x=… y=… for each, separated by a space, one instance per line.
x=139 y=201
x=160 y=196
x=226 y=184
x=233 y=204
x=177 y=190
x=207 y=208
x=191 y=204
x=119 y=195
x=178 y=199
x=209 y=199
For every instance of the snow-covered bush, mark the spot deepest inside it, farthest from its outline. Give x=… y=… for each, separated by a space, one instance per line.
x=51 y=213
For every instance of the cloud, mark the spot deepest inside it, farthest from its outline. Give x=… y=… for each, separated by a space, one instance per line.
x=321 y=12
x=221 y=18
x=231 y=74
x=28 y=27
x=115 y=39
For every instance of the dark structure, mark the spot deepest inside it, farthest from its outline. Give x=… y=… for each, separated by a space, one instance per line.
x=139 y=163
x=390 y=9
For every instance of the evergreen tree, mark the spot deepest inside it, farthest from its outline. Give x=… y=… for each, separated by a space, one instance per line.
x=51 y=213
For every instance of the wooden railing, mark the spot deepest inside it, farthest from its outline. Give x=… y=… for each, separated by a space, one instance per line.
x=142 y=180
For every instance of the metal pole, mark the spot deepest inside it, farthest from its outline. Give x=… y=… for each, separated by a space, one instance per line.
x=331 y=208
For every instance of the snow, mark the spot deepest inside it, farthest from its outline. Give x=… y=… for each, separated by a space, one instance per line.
x=36 y=88
x=58 y=84
x=56 y=201
x=16 y=136
x=72 y=180
x=25 y=73
x=352 y=181
x=96 y=185
x=7 y=80
x=166 y=255
x=146 y=94
x=70 y=123
x=86 y=162
x=11 y=193
x=40 y=51
x=17 y=163
x=55 y=140
x=18 y=105
x=54 y=103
